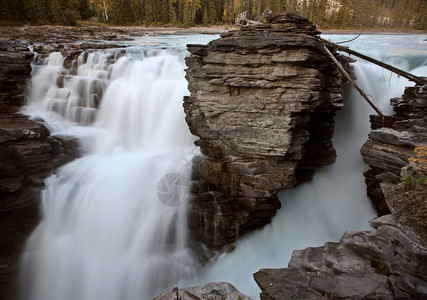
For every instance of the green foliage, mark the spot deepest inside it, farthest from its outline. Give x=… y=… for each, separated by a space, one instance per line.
x=5 y=13
x=325 y=13
x=205 y=17
x=69 y=17
x=186 y=19
x=411 y=181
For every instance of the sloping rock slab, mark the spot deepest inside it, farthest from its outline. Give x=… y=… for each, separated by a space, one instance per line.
x=389 y=262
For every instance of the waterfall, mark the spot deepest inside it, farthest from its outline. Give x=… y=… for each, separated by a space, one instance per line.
x=113 y=226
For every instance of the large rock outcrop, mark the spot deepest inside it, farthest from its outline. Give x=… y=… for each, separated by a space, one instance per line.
x=262 y=103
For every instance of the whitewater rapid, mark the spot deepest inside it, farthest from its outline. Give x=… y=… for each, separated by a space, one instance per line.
x=105 y=231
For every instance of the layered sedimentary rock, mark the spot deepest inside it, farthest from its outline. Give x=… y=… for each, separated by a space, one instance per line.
x=389 y=262
x=27 y=155
x=15 y=70
x=262 y=103
x=392 y=141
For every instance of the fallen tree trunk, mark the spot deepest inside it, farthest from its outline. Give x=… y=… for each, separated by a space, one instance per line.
x=409 y=76
x=361 y=92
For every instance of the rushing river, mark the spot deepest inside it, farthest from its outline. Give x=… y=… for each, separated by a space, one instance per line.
x=106 y=232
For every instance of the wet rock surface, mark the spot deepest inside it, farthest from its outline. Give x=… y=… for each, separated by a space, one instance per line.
x=262 y=103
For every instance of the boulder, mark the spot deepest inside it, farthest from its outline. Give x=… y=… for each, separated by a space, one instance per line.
x=209 y=291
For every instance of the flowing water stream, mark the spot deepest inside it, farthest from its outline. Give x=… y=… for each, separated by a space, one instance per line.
x=110 y=228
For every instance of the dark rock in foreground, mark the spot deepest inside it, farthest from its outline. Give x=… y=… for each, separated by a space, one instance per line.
x=210 y=291
x=387 y=263
x=262 y=102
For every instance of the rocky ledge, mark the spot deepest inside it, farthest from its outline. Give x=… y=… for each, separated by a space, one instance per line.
x=392 y=142
x=262 y=103
x=389 y=262
x=27 y=155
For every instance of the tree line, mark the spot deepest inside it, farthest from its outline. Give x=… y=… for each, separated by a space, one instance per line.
x=325 y=13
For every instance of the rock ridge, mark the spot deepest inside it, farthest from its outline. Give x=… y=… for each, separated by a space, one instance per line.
x=388 y=262
x=392 y=142
x=262 y=103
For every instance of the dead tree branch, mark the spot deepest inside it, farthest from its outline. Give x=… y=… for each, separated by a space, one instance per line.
x=361 y=92
x=409 y=76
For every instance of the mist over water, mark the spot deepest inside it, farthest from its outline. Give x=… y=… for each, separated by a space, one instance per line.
x=104 y=232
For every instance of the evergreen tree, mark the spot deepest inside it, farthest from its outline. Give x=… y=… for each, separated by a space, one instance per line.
x=211 y=12
x=205 y=17
x=85 y=12
x=5 y=13
x=187 y=13
x=172 y=12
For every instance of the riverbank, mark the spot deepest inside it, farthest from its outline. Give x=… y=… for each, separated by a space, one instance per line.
x=126 y=32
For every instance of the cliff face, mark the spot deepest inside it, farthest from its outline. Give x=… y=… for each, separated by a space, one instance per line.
x=262 y=104
x=392 y=141
x=388 y=262
x=27 y=155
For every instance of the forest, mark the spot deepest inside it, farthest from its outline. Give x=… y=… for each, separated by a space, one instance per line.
x=327 y=14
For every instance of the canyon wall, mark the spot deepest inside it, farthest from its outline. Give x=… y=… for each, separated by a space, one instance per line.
x=392 y=142
x=388 y=262
x=263 y=101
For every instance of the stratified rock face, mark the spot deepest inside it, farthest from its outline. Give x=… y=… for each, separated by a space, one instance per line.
x=15 y=70
x=389 y=262
x=392 y=141
x=262 y=103
x=27 y=155
x=211 y=291
x=381 y=264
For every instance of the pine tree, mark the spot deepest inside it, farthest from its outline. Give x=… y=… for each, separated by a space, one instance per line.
x=186 y=18
x=205 y=17
x=5 y=13
x=172 y=12
x=211 y=12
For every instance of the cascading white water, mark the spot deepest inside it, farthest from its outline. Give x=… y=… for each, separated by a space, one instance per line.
x=104 y=232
